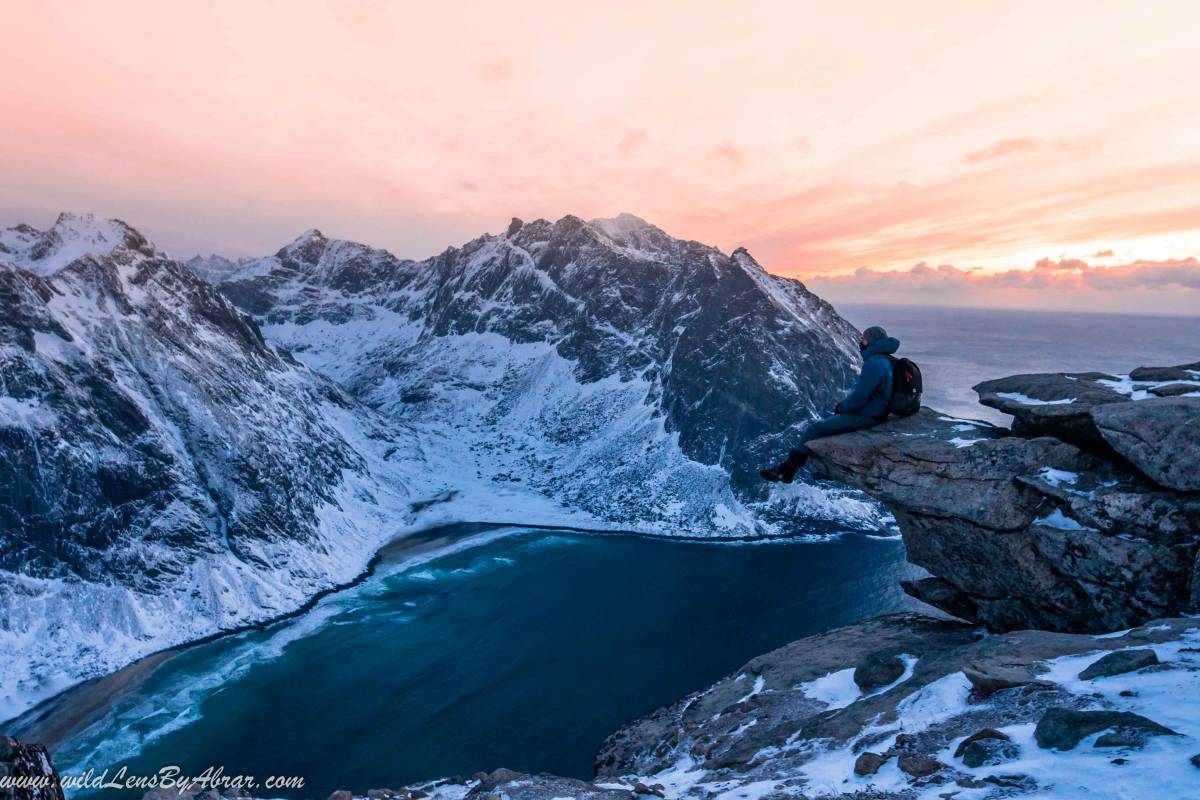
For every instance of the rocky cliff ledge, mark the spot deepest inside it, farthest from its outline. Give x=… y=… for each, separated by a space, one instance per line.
x=1081 y=520
x=26 y=773
x=1084 y=517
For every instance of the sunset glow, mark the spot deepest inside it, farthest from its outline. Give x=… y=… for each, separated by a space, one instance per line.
x=862 y=137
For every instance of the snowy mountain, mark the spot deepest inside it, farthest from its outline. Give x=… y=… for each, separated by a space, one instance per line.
x=167 y=472
x=604 y=364
x=164 y=472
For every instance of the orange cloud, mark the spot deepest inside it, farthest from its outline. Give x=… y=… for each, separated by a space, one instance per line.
x=1054 y=283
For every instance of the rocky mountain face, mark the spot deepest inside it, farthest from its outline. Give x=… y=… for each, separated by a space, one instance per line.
x=1084 y=517
x=167 y=472
x=164 y=471
x=26 y=772
x=604 y=364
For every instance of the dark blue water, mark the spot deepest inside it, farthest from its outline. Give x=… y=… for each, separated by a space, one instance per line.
x=524 y=652
x=959 y=347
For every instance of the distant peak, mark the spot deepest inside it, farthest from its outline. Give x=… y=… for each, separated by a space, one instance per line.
x=308 y=246
x=514 y=227
x=308 y=236
x=624 y=220
x=623 y=225
x=72 y=237
x=742 y=256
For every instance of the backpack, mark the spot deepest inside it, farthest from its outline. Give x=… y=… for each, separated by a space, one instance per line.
x=906 y=387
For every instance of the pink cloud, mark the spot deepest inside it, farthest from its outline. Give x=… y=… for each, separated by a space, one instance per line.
x=729 y=154
x=632 y=141
x=1078 y=146
x=1063 y=275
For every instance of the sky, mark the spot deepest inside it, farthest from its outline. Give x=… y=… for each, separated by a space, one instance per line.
x=1040 y=154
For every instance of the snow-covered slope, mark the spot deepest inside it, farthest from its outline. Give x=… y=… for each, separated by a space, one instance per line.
x=167 y=472
x=164 y=472
x=71 y=237
x=603 y=364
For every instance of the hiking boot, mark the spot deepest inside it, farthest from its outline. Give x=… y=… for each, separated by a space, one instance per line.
x=785 y=472
x=775 y=475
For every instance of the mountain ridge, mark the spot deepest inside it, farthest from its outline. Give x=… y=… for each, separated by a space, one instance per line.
x=181 y=458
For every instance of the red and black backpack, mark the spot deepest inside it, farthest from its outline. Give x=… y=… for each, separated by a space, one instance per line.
x=906 y=387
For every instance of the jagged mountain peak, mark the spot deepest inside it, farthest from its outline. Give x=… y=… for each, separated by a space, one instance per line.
x=622 y=223
x=307 y=247
x=72 y=237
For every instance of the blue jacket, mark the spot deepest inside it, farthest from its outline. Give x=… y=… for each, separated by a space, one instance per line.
x=873 y=389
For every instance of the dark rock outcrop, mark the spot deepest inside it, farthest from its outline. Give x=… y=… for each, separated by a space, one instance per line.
x=1119 y=663
x=877 y=669
x=868 y=763
x=1053 y=404
x=28 y=769
x=1063 y=728
x=1089 y=529
x=746 y=730
x=1160 y=437
x=986 y=747
x=518 y=786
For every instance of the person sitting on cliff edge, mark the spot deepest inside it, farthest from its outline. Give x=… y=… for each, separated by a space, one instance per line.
x=865 y=407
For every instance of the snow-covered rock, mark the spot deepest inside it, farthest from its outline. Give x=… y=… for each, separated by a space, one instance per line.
x=603 y=364
x=786 y=739
x=167 y=472
x=164 y=472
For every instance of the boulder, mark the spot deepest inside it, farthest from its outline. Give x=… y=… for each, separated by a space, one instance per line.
x=1182 y=372
x=1119 y=662
x=1160 y=437
x=1173 y=389
x=987 y=678
x=877 y=669
x=1063 y=728
x=978 y=736
x=989 y=752
x=1053 y=404
x=868 y=763
x=919 y=765
x=498 y=777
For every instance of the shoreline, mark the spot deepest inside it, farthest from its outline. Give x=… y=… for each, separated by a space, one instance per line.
x=58 y=717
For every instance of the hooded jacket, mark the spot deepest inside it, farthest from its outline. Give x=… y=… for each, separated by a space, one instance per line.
x=873 y=389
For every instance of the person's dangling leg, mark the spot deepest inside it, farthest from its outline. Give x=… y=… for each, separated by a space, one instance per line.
x=830 y=426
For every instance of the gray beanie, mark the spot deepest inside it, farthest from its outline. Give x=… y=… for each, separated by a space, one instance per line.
x=874 y=334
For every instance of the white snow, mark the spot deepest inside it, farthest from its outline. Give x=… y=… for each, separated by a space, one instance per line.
x=72 y=237
x=1026 y=400
x=838 y=689
x=1057 y=519
x=1057 y=477
x=1140 y=390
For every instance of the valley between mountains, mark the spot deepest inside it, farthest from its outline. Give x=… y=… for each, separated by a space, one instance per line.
x=189 y=448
